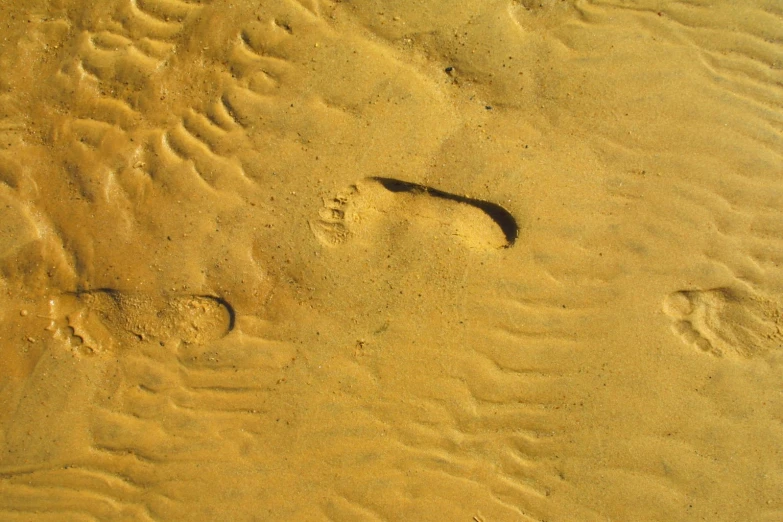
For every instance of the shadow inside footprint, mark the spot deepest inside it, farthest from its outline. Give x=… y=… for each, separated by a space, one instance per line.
x=498 y=214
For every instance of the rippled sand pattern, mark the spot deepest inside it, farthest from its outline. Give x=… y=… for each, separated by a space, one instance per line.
x=498 y=260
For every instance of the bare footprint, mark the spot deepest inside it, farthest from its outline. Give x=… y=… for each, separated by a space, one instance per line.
x=102 y=320
x=358 y=208
x=724 y=320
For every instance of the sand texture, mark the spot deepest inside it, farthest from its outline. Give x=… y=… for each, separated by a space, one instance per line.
x=391 y=260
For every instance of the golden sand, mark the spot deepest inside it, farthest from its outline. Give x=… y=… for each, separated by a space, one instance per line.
x=445 y=260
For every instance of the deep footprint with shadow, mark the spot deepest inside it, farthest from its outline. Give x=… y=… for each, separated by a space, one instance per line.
x=725 y=321
x=103 y=320
x=479 y=223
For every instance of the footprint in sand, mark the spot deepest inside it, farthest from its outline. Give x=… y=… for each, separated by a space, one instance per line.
x=101 y=320
x=724 y=321
x=360 y=208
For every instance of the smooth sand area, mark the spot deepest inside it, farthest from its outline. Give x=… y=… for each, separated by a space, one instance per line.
x=391 y=260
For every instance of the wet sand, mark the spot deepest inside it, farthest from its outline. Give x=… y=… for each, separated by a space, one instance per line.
x=498 y=260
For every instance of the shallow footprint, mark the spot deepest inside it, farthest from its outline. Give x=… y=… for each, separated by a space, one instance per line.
x=99 y=320
x=725 y=320
x=356 y=209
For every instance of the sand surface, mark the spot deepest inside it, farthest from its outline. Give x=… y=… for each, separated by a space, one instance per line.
x=381 y=260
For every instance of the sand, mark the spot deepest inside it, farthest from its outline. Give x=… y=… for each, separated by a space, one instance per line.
x=453 y=260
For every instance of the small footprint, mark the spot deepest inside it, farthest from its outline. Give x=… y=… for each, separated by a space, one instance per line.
x=725 y=320
x=359 y=207
x=102 y=320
